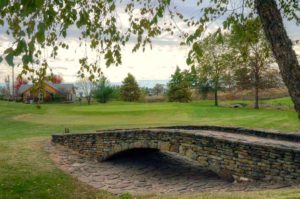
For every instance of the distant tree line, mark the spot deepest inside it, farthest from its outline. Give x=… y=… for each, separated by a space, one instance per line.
x=102 y=90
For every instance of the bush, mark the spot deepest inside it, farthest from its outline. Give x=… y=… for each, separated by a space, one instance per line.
x=116 y=93
x=57 y=98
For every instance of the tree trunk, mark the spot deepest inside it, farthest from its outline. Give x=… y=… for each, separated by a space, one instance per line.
x=89 y=100
x=256 y=83
x=282 y=47
x=216 y=97
x=256 y=106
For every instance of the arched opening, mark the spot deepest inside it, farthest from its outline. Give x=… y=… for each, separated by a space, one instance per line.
x=139 y=155
x=135 y=153
x=152 y=170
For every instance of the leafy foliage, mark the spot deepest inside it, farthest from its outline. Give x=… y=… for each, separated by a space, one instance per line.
x=38 y=24
x=205 y=86
x=179 y=88
x=116 y=93
x=214 y=62
x=255 y=54
x=103 y=91
x=130 y=90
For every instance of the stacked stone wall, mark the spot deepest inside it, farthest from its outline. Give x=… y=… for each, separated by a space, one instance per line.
x=230 y=159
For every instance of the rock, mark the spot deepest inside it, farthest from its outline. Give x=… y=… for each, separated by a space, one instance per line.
x=226 y=175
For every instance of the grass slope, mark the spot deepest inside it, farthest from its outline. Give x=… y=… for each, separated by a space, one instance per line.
x=27 y=172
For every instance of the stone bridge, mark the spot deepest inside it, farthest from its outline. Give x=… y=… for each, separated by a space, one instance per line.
x=232 y=153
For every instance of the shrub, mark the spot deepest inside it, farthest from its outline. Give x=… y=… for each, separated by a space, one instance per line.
x=57 y=98
x=116 y=93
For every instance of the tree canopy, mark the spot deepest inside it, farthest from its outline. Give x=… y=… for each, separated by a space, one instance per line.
x=130 y=90
x=214 y=60
x=179 y=87
x=254 y=54
x=37 y=24
x=103 y=90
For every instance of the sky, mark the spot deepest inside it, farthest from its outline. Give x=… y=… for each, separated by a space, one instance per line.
x=156 y=64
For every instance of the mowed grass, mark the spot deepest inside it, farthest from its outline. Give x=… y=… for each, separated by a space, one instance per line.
x=285 y=101
x=26 y=170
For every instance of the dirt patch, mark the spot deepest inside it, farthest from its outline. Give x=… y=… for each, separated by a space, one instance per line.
x=23 y=117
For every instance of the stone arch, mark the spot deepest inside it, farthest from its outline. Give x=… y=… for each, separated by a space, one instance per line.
x=163 y=146
x=226 y=156
x=185 y=150
x=132 y=152
x=120 y=147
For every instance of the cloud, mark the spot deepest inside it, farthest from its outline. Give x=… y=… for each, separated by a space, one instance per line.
x=59 y=68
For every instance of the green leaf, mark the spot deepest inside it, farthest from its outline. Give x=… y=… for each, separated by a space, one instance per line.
x=10 y=59
x=188 y=61
x=197 y=49
x=1 y=59
x=8 y=50
x=39 y=3
x=3 y=3
x=40 y=36
x=21 y=47
x=26 y=59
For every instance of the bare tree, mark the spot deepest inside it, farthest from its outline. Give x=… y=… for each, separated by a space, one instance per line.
x=86 y=87
x=158 y=89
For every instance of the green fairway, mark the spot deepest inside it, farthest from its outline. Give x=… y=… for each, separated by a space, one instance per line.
x=27 y=171
x=286 y=101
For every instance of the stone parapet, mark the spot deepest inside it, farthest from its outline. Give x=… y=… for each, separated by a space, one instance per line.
x=229 y=154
